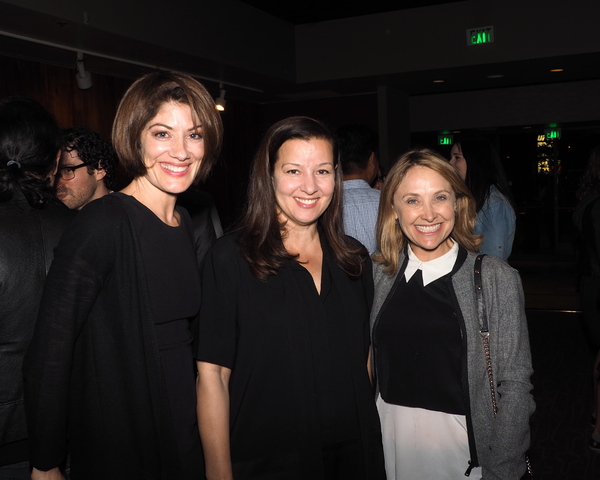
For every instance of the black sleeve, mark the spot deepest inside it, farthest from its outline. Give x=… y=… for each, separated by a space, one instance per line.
x=216 y=330
x=83 y=260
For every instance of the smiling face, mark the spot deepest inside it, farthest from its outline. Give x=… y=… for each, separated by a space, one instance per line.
x=172 y=148
x=424 y=204
x=303 y=181
x=458 y=161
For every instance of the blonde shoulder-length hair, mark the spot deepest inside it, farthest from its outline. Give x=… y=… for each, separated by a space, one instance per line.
x=390 y=238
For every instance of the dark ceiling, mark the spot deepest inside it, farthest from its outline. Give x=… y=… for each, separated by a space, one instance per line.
x=248 y=86
x=310 y=11
x=477 y=77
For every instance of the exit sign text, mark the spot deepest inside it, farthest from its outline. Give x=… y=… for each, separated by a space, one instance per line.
x=445 y=139
x=480 y=35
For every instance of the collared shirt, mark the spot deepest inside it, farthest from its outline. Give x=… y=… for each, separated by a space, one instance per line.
x=433 y=269
x=361 y=203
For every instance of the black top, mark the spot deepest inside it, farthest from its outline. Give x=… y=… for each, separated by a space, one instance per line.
x=174 y=286
x=93 y=373
x=299 y=379
x=419 y=346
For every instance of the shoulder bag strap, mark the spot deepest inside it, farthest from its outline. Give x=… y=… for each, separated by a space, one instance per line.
x=485 y=336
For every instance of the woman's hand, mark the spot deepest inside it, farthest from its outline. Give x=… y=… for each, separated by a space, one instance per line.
x=53 y=474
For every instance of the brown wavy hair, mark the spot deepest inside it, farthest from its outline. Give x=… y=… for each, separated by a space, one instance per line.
x=390 y=238
x=261 y=232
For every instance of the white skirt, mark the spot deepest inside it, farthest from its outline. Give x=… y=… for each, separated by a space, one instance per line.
x=421 y=444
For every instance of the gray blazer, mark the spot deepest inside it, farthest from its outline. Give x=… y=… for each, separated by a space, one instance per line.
x=500 y=442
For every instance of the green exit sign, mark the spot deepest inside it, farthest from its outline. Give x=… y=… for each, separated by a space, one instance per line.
x=480 y=35
x=552 y=133
x=445 y=139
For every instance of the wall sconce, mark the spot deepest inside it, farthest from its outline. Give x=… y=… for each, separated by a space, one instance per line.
x=84 y=79
x=220 y=101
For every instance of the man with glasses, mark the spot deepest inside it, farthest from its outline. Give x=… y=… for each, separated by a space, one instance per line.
x=87 y=168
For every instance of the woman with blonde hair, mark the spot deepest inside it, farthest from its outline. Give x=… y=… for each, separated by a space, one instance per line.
x=440 y=418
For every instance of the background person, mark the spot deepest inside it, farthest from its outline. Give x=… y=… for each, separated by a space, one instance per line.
x=31 y=223
x=282 y=344
x=478 y=164
x=87 y=168
x=110 y=367
x=587 y=219
x=358 y=147
x=435 y=400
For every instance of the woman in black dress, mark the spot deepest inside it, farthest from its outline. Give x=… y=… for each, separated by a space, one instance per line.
x=110 y=375
x=282 y=346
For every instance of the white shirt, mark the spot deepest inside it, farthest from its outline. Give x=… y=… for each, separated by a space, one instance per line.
x=433 y=269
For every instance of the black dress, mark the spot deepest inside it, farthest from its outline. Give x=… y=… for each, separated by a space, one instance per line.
x=174 y=285
x=299 y=389
x=94 y=372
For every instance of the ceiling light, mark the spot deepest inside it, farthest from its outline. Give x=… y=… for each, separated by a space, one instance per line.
x=556 y=70
x=438 y=81
x=84 y=79
x=220 y=101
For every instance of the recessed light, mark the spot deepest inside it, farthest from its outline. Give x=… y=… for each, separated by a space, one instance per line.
x=556 y=70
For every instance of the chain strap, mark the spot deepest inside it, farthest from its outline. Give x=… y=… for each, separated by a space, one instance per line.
x=485 y=336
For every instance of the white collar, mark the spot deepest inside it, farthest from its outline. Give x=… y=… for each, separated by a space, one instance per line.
x=433 y=269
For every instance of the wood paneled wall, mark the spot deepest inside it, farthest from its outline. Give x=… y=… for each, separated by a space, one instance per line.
x=56 y=89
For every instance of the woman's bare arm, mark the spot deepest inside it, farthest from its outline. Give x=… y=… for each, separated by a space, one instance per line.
x=212 y=387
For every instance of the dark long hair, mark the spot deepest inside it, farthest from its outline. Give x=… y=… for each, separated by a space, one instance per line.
x=590 y=180
x=30 y=141
x=483 y=169
x=260 y=237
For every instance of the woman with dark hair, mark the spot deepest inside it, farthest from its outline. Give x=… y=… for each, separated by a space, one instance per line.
x=447 y=408
x=478 y=164
x=110 y=376
x=282 y=344
x=31 y=223
x=587 y=219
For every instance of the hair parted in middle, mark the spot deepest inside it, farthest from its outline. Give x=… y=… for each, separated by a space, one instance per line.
x=141 y=103
x=390 y=238
x=261 y=232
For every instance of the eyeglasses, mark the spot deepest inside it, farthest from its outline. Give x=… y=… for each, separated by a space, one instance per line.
x=68 y=173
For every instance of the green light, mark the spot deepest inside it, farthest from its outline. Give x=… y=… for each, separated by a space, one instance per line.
x=445 y=139
x=552 y=133
x=480 y=35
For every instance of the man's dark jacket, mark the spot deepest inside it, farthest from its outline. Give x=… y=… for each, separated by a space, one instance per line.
x=27 y=240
